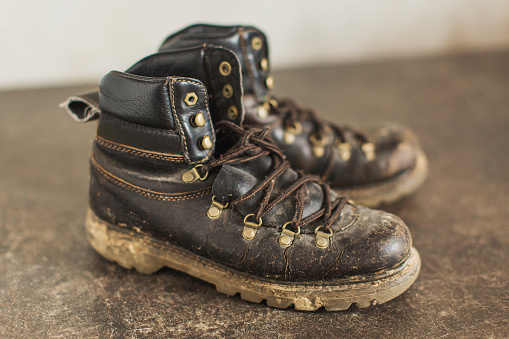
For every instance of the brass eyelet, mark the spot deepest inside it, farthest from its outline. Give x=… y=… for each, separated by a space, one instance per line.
x=216 y=208
x=191 y=99
x=345 y=149
x=233 y=112
x=286 y=238
x=322 y=141
x=318 y=144
x=291 y=131
x=264 y=64
x=198 y=120
x=225 y=68
x=227 y=91
x=322 y=239
x=205 y=142
x=250 y=228
x=269 y=82
x=262 y=112
x=193 y=175
x=256 y=43
x=369 y=150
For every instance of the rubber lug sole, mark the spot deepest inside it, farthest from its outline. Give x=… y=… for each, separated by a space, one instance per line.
x=147 y=255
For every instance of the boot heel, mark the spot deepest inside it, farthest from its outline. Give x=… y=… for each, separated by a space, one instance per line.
x=128 y=251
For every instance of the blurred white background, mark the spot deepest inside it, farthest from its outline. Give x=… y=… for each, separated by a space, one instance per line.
x=66 y=42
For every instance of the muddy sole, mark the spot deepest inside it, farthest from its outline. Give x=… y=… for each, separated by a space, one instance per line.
x=391 y=191
x=147 y=255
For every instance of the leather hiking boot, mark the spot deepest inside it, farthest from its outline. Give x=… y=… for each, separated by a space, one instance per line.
x=177 y=182
x=376 y=165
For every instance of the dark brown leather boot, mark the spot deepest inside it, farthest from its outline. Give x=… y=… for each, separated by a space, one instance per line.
x=376 y=165
x=176 y=182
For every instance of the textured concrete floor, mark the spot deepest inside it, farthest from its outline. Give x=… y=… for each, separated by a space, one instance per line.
x=54 y=285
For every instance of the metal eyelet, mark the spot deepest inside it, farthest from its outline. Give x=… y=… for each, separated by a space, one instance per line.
x=318 y=144
x=269 y=82
x=193 y=175
x=205 y=142
x=264 y=64
x=225 y=68
x=191 y=99
x=286 y=238
x=216 y=208
x=198 y=120
x=345 y=149
x=322 y=239
x=227 y=91
x=233 y=112
x=369 y=150
x=250 y=228
x=256 y=43
x=262 y=111
x=291 y=132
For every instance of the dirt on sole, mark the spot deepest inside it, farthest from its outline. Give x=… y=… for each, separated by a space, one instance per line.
x=148 y=255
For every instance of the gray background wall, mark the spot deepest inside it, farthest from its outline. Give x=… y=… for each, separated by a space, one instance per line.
x=63 y=42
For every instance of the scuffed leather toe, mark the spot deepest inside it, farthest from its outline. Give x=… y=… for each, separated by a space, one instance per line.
x=380 y=241
x=396 y=149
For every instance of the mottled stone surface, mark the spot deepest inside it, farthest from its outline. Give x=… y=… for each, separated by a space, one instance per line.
x=54 y=285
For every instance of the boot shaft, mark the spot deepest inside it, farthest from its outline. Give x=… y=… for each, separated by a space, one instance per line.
x=248 y=43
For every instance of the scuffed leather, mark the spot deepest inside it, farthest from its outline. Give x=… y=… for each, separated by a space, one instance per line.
x=143 y=191
x=374 y=242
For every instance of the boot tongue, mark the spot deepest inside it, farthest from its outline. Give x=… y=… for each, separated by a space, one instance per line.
x=235 y=181
x=250 y=45
x=218 y=68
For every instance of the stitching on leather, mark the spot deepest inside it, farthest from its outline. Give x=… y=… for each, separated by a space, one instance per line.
x=246 y=60
x=135 y=151
x=139 y=190
x=174 y=112
x=181 y=130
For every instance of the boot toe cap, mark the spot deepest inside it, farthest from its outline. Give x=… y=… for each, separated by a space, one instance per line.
x=382 y=241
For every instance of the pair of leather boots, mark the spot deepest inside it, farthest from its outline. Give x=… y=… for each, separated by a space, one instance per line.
x=197 y=167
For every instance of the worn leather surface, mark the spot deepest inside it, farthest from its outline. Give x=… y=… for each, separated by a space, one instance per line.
x=154 y=203
x=144 y=191
x=396 y=146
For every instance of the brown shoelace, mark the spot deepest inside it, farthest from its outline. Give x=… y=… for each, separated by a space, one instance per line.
x=255 y=143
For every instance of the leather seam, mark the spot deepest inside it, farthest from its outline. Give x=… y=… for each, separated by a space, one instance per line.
x=181 y=130
x=124 y=148
x=155 y=195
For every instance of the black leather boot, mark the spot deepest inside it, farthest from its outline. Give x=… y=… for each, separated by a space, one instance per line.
x=376 y=165
x=177 y=182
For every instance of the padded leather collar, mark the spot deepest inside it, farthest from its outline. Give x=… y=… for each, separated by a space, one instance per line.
x=163 y=104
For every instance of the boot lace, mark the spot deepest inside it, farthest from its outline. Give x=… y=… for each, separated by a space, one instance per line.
x=255 y=143
x=291 y=114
